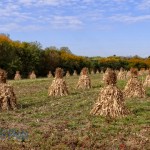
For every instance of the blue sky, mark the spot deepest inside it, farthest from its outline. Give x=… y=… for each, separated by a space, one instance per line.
x=87 y=27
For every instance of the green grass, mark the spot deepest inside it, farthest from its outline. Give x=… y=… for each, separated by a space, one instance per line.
x=64 y=123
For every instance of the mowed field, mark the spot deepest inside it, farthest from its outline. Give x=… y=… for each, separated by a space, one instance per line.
x=65 y=123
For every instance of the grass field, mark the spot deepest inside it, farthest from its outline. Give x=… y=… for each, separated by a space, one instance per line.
x=64 y=123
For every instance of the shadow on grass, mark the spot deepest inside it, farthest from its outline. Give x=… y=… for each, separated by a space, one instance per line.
x=74 y=93
x=97 y=86
x=30 y=105
x=140 y=110
x=148 y=94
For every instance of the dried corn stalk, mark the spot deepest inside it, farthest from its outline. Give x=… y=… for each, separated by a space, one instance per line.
x=117 y=72
x=58 y=86
x=67 y=74
x=142 y=72
x=17 y=76
x=121 y=75
x=105 y=74
x=7 y=96
x=128 y=75
x=102 y=72
x=3 y=76
x=110 y=101
x=97 y=72
x=92 y=72
x=75 y=73
x=134 y=88
x=84 y=80
x=147 y=80
x=49 y=74
x=32 y=75
x=147 y=72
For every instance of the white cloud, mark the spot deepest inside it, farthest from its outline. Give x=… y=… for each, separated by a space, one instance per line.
x=39 y=3
x=145 y=4
x=49 y=2
x=8 y=10
x=26 y=2
x=66 y=22
x=129 y=18
x=68 y=13
x=17 y=28
x=8 y=27
x=87 y=1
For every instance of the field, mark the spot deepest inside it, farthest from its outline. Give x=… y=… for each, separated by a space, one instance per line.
x=64 y=123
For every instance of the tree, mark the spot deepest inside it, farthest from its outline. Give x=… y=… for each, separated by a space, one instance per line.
x=50 y=60
x=65 y=49
x=29 y=54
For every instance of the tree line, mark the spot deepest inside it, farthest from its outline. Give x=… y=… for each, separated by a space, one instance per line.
x=28 y=56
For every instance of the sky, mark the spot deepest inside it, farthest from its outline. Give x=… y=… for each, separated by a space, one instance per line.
x=88 y=27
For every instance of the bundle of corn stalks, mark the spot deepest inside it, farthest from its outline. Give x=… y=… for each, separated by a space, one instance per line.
x=97 y=71
x=84 y=80
x=7 y=96
x=117 y=72
x=32 y=75
x=58 y=86
x=105 y=74
x=134 y=88
x=121 y=75
x=147 y=71
x=67 y=74
x=75 y=73
x=110 y=101
x=49 y=74
x=142 y=72
x=102 y=72
x=147 y=80
x=128 y=75
x=17 y=76
x=92 y=72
